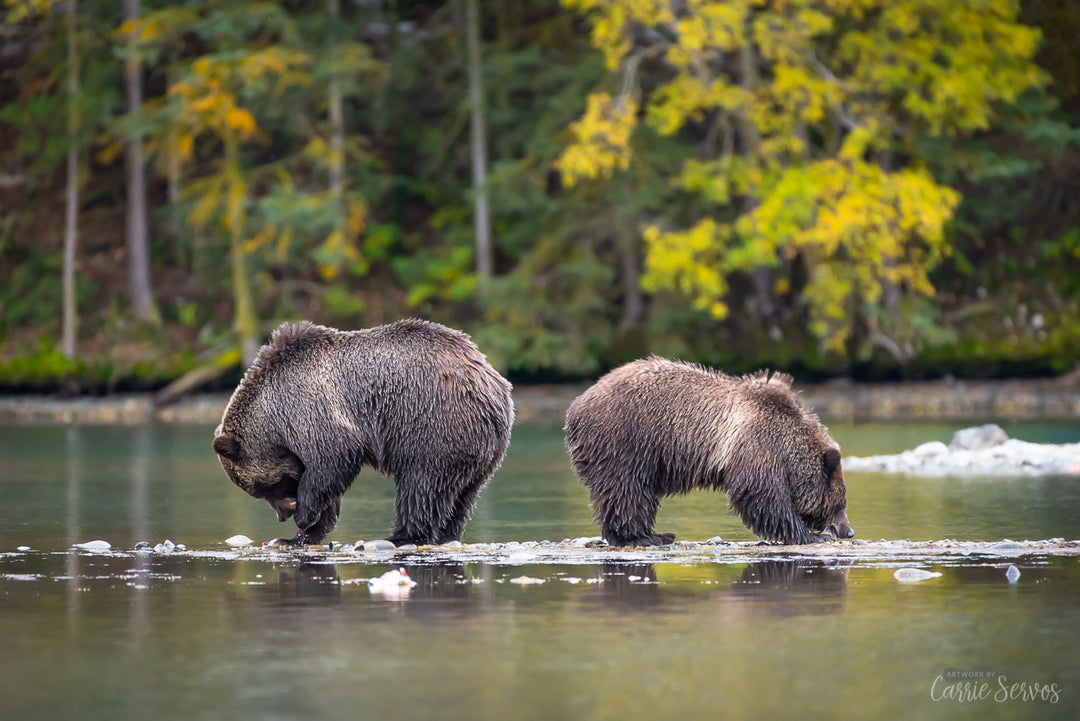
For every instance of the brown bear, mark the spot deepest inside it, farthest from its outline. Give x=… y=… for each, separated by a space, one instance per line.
x=656 y=427
x=412 y=399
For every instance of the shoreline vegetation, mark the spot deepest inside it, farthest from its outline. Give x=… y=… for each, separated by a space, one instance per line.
x=545 y=404
x=574 y=183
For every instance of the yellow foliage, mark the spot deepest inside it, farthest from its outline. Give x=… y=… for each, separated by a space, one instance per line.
x=601 y=139
x=803 y=95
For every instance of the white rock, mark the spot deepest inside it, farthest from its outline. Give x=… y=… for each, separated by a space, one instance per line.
x=520 y=557
x=526 y=581
x=1013 y=574
x=978 y=438
x=94 y=546
x=166 y=547
x=238 y=540
x=380 y=545
x=933 y=448
x=23 y=548
x=913 y=575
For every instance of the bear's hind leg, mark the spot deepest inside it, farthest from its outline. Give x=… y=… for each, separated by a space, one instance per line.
x=626 y=516
x=462 y=508
x=420 y=511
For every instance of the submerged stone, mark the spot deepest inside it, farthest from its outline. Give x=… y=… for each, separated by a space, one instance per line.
x=1013 y=574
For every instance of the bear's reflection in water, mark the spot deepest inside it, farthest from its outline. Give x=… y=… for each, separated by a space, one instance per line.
x=773 y=588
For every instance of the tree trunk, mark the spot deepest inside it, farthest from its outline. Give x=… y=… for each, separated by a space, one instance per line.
x=70 y=320
x=481 y=212
x=337 y=130
x=632 y=302
x=246 y=322
x=140 y=284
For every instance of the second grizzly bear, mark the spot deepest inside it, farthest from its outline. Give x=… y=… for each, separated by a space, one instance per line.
x=655 y=427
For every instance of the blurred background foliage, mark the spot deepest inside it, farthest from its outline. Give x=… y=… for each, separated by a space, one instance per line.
x=845 y=188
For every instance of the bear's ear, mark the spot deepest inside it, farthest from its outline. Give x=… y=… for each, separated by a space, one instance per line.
x=831 y=460
x=226 y=446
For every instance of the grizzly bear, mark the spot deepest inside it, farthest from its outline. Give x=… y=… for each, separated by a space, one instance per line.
x=412 y=399
x=655 y=427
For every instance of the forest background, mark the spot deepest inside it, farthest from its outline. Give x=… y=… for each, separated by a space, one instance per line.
x=865 y=188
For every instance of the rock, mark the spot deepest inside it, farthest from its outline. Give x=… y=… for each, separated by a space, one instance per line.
x=142 y=546
x=978 y=438
x=453 y=544
x=23 y=548
x=520 y=557
x=408 y=547
x=94 y=546
x=1013 y=574
x=913 y=575
x=238 y=540
x=166 y=547
x=714 y=541
x=379 y=545
x=932 y=448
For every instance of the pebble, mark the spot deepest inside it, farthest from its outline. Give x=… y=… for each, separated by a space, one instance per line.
x=1013 y=574
x=526 y=581
x=913 y=575
x=453 y=544
x=166 y=547
x=714 y=541
x=520 y=557
x=142 y=546
x=407 y=547
x=238 y=540
x=94 y=546
x=379 y=545
x=23 y=548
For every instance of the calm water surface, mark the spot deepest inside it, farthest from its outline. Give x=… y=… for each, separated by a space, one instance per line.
x=180 y=637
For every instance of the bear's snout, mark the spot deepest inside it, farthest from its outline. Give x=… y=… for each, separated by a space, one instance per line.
x=284 y=507
x=841 y=526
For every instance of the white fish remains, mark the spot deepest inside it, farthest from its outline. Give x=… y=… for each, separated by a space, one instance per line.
x=913 y=575
x=392 y=584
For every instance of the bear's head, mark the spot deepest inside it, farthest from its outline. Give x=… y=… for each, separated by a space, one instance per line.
x=268 y=472
x=820 y=496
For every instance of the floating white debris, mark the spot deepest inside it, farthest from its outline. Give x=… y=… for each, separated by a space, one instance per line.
x=98 y=546
x=913 y=575
x=1013 y=574
x=238 y=540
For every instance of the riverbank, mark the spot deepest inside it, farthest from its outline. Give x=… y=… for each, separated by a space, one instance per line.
x=1041 y=399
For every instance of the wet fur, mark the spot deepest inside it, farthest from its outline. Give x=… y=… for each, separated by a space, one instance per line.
x=654 y=427
x=414 y=400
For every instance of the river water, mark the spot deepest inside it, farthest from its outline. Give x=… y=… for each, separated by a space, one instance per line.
x=206 y=634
